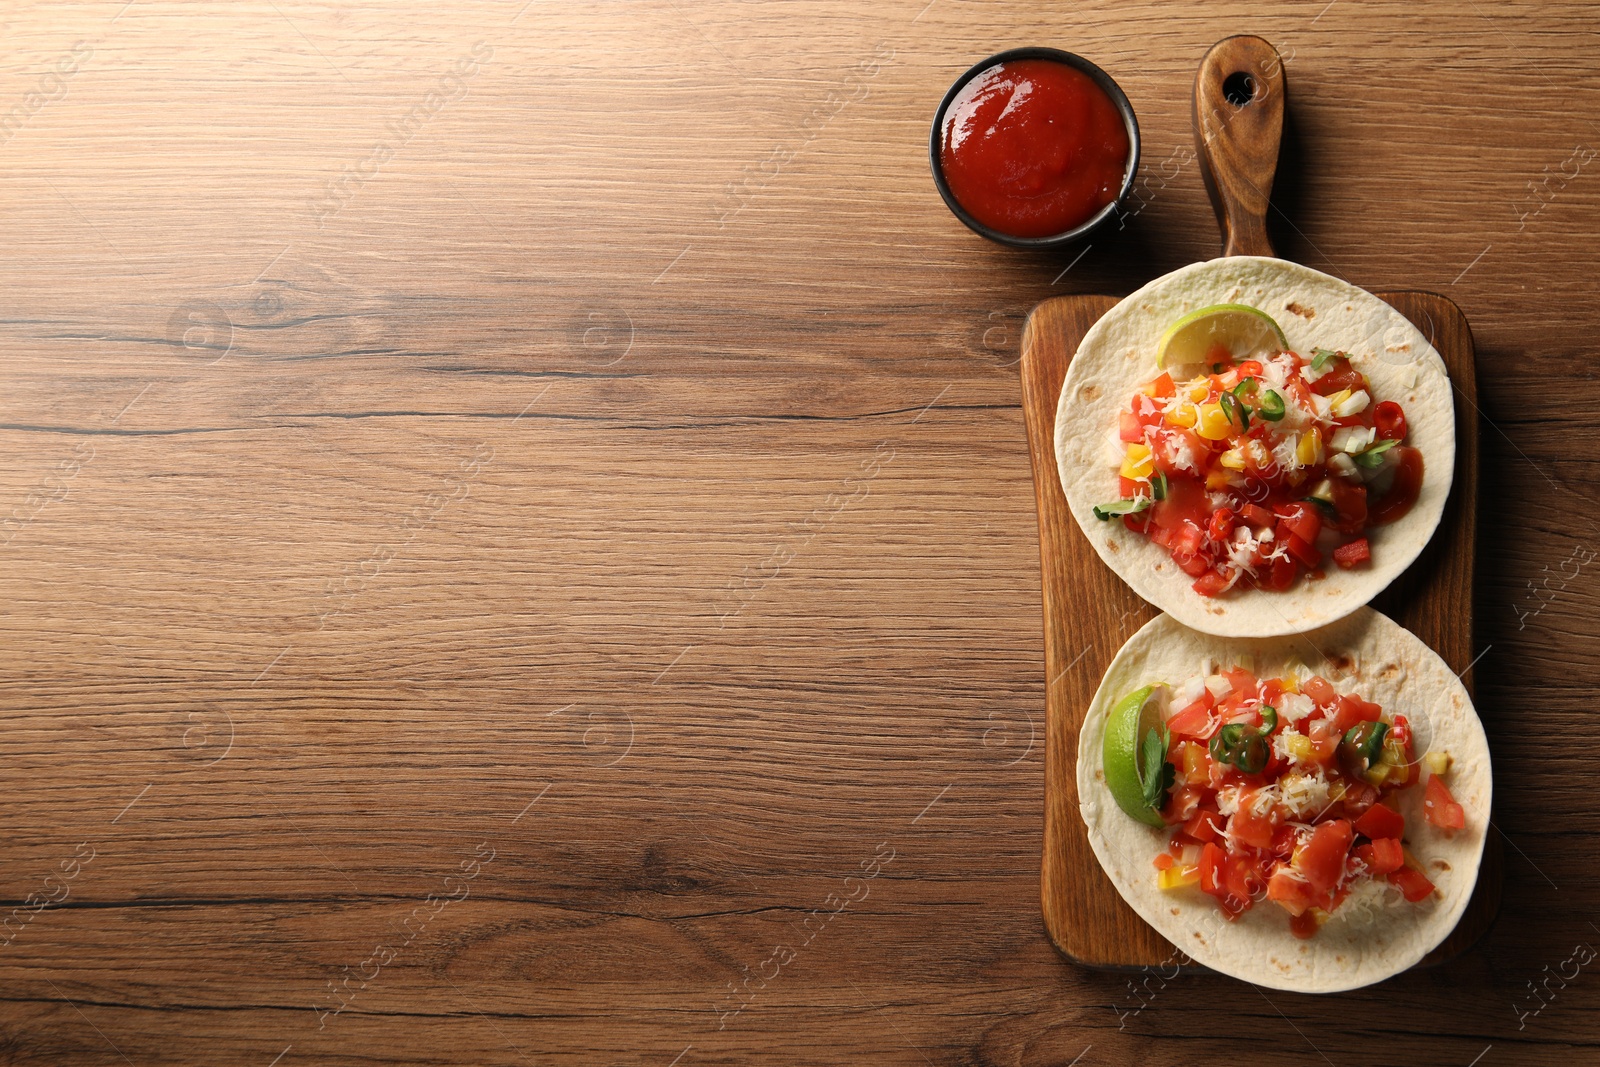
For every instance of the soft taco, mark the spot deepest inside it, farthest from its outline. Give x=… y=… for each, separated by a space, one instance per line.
x=1257 y=448
x=1305 y=812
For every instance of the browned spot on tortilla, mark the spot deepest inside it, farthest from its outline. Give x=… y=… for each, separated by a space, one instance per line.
x=1112 y=546
x=1174 y=910
x=1304 y=312
x=1389 y=672
x=1089 y=392
x=1341 y=663
x=1441 y=865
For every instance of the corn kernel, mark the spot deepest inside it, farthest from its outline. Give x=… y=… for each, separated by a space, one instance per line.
x=1137 y=464
x=1318 y=914
x=1176 y=877
x=1309 y=450
x=1437 y=762
x=1183 y=415
x=1301 y=748
x=1233 y=459
x=1214 y=425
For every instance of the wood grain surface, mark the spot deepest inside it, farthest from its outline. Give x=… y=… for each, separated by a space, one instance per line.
x=519 y=547
x=1089 y=612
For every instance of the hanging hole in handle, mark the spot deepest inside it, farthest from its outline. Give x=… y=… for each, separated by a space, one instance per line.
x=1239 y=88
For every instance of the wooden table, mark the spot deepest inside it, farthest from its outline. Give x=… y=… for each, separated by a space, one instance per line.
x=518 y=544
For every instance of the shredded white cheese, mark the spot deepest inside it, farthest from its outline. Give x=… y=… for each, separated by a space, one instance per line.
x=1292 y=707
x=1303 y=793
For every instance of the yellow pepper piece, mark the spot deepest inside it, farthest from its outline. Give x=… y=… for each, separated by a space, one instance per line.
x=1233 y=459
x=1137 y=464
x=1183 y=415
x=1218 y=479
x=1194 y=766
x=1176 y=877
x=1340 y=397
x=1214 y=425
x=1199 y=389
x=1378 y=774
x=1309 y=450
x=1301 y=748
x=1438 y=762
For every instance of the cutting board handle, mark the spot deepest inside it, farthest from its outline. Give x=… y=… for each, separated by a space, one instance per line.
x=1238 y=125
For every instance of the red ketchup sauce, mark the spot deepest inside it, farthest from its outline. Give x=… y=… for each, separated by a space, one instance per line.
x=1033 y=148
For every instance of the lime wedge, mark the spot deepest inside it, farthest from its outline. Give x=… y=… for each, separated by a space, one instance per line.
x=1241 y=329
x=1130 y=720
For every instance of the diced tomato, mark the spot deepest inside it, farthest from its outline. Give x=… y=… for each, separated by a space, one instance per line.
x=1302 y=520
x=1185 y=503
x=1403 y=490
x=1256 y=515
x=1246 y=827
x=1380 y=820
x=1242 y=878
x=1182 y=805
x=1390 y=420
x=1352 y=553
x=1303 y=551
x=1221 y=524
x=1163 y=860
x=1281 y=573
x=1305 y=925
x=1317 y=688
x=1413 y=883
x=1211 y=860
x=1321 y=859
x=1186 y=540
x=1209 y=584
x=1137 y=523
x=1382 y=854
x=1129 y=428
x=1352 y=709
x=1283 y=841
x=1130 y=488
x=1194 y=720
x=1340 y=375
x=1241 y=680
x=1289 y=891
x=1440 y=807
x=1206 y=825
x=1349 y=505
x=1162 y=387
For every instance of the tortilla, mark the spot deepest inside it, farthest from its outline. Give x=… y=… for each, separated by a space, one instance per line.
x=1361 y=943
x=1316 y=310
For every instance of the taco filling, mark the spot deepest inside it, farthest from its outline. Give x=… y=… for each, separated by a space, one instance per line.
x=1257 y=470
x=1280 y=791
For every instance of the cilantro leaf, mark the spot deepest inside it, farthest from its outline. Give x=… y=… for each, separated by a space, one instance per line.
x=1158 y=774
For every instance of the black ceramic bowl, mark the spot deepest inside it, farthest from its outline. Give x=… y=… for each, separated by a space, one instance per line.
x=1100 y=78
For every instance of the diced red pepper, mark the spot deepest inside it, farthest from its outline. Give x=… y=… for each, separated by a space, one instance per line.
x=1352 y=553
x=1440 y=807
x=1380 y=820
x=1250 y=368
x=1163 y=860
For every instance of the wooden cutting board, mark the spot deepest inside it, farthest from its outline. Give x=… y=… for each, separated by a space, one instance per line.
x=1089 y=612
